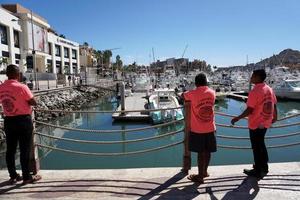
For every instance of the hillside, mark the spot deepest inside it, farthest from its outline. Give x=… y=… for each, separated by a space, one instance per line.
x=287 y=57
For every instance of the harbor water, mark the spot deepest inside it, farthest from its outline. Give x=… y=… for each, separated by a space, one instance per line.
x=170 y=157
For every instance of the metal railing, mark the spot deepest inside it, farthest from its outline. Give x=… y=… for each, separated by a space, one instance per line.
x=185 y=141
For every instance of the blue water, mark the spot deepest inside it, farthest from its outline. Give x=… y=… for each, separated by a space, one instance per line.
x=171 y=157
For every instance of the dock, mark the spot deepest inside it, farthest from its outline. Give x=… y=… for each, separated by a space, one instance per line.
x=225 y=182
x=237 y=96
x=135 y=102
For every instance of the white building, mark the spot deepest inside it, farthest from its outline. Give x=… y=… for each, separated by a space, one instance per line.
x=9 y=39
x=43 y=49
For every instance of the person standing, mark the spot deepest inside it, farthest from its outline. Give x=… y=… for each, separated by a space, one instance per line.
x=262 y=112
x=202 y=136
x=16 y=100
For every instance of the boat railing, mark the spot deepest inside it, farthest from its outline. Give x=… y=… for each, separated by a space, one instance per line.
x=182 y=132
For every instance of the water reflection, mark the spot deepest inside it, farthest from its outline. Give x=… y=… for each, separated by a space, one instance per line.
x=167 y=157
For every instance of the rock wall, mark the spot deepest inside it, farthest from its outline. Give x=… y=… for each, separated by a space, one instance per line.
x=72 y=99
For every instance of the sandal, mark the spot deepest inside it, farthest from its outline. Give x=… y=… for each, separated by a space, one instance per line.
x=12 y=181
x=195 y=178
x=205 y=175
x=33 y=179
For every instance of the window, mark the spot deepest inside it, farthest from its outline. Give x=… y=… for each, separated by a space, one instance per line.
x=49 y=66
x=17 y=56
x=49 y=48
x=16 y=39
x=3 y=34
x=66 y=52
x=58 y=67
x=29 y=62
x=57 y=50
x=74 y=54
x=5 y=54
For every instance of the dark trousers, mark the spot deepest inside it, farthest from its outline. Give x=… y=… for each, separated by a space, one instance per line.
x=18 y=130
x=260 y=152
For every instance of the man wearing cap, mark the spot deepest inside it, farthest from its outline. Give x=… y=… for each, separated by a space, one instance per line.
x=16 y=100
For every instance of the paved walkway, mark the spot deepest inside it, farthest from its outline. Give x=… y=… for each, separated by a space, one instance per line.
x=225 y=182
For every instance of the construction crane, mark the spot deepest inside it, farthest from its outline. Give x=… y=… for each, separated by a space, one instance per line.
x=153 y=55
x=186 y=46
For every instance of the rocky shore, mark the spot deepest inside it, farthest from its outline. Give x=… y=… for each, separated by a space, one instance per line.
x=72 y=99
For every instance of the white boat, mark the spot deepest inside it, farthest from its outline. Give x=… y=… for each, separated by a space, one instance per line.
x=164 y=98
x=142 y=83
x=288 y=89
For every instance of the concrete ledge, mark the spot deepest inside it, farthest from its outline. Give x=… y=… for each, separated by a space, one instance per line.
x=225 y=182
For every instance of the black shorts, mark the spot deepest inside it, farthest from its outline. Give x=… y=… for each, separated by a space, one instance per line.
x=204 y=142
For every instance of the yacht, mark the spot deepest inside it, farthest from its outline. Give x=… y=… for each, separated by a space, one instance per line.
x=164 y=98
x=288 y=89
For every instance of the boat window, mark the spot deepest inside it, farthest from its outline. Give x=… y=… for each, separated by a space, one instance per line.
x=294 y=83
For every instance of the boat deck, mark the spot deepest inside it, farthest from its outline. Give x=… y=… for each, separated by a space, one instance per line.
x=135 y=102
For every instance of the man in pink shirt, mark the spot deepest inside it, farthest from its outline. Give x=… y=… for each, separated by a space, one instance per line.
x=202 y=136
x=16 y=100
x=262 y=112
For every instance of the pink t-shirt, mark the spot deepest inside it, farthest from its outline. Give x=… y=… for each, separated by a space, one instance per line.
x=202 y=109
x=262 y=99
x=14 y=97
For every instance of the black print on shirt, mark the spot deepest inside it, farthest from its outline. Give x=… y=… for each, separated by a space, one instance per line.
x=267 y=111
x=8 y=102
x=204 y=110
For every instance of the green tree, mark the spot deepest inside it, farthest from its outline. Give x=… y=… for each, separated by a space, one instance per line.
x=3 y=60
x=119 y=62
x=106 y=56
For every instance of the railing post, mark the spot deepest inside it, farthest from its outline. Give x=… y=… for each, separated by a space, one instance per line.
x=34 y=164
x=187 y=154
x=122 y=93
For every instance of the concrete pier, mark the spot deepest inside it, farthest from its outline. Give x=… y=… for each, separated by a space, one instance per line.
x=134 y=102
x=225 y=182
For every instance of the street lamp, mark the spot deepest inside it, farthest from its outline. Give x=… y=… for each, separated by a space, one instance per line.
x=33 y=51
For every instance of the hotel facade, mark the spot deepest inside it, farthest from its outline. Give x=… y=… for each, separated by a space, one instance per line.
x=27 y=40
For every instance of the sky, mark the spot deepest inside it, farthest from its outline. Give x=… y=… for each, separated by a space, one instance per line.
x=221 y=32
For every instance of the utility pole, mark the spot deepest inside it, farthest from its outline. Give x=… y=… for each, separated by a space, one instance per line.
x=33 y=54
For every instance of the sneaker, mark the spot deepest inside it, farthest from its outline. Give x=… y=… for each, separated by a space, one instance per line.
x=262 y=174
x=256 y=174
x=14 y=180
x=250 y=172
x=33 y=179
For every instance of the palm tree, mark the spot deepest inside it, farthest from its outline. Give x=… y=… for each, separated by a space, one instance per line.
x=119 y=62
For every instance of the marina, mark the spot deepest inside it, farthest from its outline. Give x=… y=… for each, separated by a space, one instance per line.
x=149 y=100
x=162 y=158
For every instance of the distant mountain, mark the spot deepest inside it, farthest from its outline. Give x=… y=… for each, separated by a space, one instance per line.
x=288 y=57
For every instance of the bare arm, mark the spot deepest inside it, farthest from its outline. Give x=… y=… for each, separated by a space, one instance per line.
x=32 y=102
x=246 y=112
x=274 y=114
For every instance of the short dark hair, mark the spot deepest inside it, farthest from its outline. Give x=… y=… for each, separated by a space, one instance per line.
x=261 y=73
x=200 y=80
x=12 y=71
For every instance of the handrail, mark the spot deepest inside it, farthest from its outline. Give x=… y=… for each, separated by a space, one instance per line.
x=281 y=119
x=245 y=127
x=110 y=154
x=290 y=116
x=270 y=147
x=108 y=111
x=109 y=131
x=110 y=142
x=267 y=137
